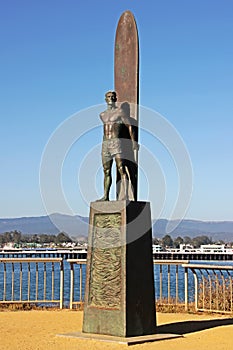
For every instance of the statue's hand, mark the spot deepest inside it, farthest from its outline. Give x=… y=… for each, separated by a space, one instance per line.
x=135 y=146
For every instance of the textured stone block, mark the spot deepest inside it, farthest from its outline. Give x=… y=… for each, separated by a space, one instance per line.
x=119 y=294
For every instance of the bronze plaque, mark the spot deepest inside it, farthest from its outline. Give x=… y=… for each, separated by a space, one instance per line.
x=105 y=275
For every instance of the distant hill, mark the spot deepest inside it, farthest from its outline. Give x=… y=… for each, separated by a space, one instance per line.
x=50 y=224
x=77 y=226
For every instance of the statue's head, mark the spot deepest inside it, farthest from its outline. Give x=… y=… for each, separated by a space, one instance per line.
x=110 y=97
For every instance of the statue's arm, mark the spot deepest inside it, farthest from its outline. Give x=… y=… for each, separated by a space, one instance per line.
x=126 y=121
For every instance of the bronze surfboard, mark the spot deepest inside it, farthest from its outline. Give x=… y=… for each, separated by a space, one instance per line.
x=126 y=76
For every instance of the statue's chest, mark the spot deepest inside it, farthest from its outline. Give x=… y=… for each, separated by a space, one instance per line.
x=111 y=117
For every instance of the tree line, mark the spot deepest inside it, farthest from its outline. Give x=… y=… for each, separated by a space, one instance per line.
x=18 y=238
x=196 y=242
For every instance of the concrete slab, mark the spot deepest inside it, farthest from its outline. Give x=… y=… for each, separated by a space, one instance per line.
x=121 y=340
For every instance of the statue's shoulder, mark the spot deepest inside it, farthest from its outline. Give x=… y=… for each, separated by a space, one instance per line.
x=102 y=115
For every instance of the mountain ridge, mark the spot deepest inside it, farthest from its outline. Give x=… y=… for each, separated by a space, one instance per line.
x=76 y=225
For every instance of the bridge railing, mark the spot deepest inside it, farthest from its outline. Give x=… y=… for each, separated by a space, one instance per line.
x=213 y=287
x=32 y=281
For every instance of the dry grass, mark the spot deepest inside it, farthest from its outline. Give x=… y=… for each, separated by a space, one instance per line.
x=216 y=294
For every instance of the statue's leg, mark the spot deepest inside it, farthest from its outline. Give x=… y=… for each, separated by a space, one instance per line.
x=107 y=166
x=107 y=178
x=124 y=177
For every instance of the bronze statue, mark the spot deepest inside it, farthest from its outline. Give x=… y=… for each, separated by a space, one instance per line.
x=115 y=119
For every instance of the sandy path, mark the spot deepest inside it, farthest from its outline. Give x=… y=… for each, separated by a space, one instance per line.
x=24 y=330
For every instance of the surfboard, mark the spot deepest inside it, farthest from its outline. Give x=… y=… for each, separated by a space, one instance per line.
x=126 y=81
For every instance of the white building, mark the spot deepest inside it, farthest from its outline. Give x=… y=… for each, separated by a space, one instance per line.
x=215 y=248
x=156 y=248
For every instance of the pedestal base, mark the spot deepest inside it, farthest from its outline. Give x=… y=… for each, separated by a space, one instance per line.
x=119 y=294
x=121 y=340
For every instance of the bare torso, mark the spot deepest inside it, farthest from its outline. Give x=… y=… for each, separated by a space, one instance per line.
x=112 y=120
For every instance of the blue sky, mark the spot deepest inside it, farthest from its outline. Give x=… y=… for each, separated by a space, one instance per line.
x=57 y=59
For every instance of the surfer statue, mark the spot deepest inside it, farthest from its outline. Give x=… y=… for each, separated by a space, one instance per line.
x=115 y=119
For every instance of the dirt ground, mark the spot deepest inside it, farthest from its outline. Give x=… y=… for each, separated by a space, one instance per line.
x=24 y=330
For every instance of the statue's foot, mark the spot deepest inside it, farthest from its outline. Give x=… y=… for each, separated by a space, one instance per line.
x=123 y=197
x=103 y=199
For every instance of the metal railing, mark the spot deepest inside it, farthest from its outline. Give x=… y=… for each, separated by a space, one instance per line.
x=213 y=287
x=76 y=274
x=165 y=271
x=31 y=281
x=169 y=282
x=46 y=281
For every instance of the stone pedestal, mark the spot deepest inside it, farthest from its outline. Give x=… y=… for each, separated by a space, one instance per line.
x=119 y=294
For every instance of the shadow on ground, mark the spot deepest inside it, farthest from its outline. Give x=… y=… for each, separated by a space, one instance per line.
x=193 y=326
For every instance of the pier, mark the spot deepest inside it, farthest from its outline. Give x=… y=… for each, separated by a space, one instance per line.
x=220 y=256
x=77 y=253
x=81 y=253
